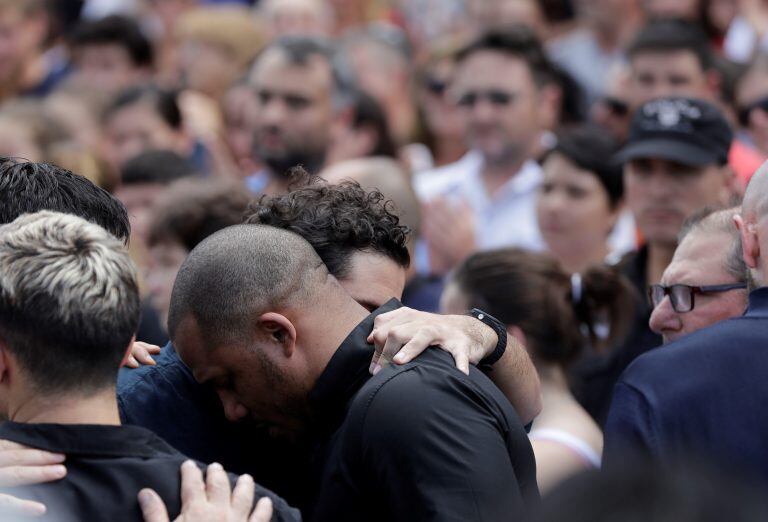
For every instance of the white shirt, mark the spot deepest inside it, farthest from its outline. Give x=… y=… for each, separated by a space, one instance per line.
x=507 y=218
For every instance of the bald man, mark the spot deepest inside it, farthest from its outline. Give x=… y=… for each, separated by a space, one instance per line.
x=703 y=395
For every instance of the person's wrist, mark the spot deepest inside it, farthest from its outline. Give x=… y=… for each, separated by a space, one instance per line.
x=499 y=332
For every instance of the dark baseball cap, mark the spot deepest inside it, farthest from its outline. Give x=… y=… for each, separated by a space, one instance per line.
x=684 y=130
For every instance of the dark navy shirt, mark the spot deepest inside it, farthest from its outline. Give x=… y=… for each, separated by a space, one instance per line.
x=168 y=400
x=704 y=394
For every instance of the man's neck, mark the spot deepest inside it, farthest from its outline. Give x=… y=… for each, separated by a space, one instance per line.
x=495 y=175
x=659 y=258
x=97 y=408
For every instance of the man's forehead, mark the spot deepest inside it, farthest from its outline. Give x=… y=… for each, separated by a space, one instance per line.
x=699 y=260
x=315 y=66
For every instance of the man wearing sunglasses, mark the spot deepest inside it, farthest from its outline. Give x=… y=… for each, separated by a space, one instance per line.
x=506 y=93
x=703 y=395
x=705 y=283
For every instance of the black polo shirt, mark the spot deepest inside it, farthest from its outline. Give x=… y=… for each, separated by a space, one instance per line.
x=421 y=441
x=107 y=466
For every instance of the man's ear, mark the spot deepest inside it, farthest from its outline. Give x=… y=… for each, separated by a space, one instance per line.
x=750 y=246
x=714 y=81
x=280 y=331
x=6 y=363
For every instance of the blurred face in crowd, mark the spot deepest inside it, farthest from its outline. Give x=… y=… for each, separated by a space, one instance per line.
x=239 y=111
x=20 y=36
x=752 y=102
x=373 y=280
x=443 y=117
x=297 y=17
x=502 y=106
x=698 y=261
x=294 y=111
x=207 y=68
x=662 y=194
x=668 y=73
x=502 y=13
x=685 y=9
x=165 y=259
x=107 y=67
x=600 y=12
x=137 y=128
x=139 y=199
x=573 y=209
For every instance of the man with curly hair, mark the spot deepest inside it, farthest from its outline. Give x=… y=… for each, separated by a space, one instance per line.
x=364 y=246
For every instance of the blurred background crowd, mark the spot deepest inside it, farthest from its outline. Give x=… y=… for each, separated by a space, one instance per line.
x=488 y=123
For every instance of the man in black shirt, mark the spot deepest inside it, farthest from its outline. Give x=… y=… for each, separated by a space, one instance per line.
x=255 y=313
x=69 y=308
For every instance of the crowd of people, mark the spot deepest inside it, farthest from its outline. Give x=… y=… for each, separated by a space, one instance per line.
x=383 y=260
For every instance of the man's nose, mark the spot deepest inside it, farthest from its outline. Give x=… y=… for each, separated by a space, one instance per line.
x=664 y=319
x=233 y=410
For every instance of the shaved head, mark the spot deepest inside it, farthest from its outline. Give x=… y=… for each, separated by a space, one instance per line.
x=755 y=202
x=242 y=271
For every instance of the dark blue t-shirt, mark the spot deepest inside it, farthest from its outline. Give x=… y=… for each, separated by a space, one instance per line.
x=703 y=395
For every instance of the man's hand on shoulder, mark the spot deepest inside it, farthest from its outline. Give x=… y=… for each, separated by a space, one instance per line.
x=141 y=354
x=209 y=500
x=22 y=466
x=401 y=335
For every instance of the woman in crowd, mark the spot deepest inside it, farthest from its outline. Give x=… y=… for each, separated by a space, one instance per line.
x=580 y=202
x=554 y=315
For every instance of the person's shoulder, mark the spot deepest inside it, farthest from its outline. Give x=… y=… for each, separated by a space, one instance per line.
x=691 y=354
x=167 y=364
x=426 y=387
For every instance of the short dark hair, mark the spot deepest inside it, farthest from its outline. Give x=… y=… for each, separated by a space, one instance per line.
x=519 y=41
x=337 y=220
x=241 y=270
x=300 y=49
x=115 y=30
x=27 y=187
x=155 y=166
x=369 y=113
x=195 y=209
x=592 y=149
x=531 y=291
x=69 y=301
x=164 y=102
x=666 y=35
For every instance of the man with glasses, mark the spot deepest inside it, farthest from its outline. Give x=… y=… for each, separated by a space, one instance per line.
x=707 y=280
x=507 y=95
x=702 y=396
x=675 y=162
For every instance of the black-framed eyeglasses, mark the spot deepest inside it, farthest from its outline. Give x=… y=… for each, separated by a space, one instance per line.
x=495 y=97
x=682 y=296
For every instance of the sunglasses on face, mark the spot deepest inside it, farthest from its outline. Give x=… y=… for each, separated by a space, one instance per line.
x=682 y=296
x=616 y=106
x=744 y=112
x=497 y=98
x=436 y=86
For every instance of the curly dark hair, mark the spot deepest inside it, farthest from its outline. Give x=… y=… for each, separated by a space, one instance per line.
x=337 y=220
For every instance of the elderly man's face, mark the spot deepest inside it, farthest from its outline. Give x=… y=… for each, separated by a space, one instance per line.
x=698 y=261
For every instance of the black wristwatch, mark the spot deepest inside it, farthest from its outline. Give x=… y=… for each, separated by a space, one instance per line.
x=501 y=333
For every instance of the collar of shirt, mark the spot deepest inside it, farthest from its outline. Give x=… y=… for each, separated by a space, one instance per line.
x=345 y=373
x=758 y=303
x=524 y=182
x=87 y=439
